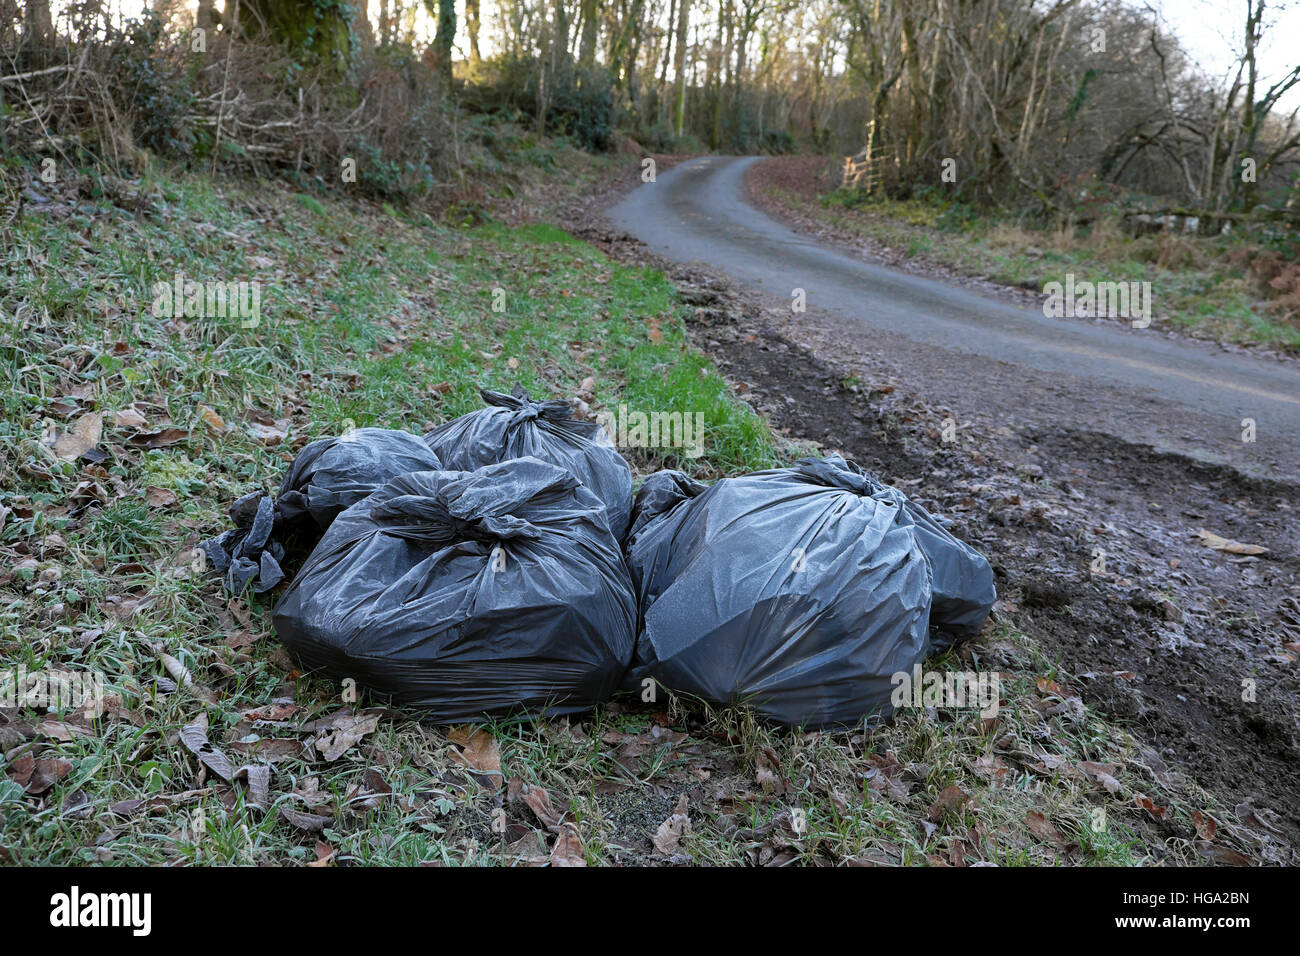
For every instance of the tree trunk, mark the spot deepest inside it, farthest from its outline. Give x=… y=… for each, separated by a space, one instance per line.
x=472 y=23
x=1254 y=26
x=442 y=41
x=561 y=57
x=683 y=21
x=633 y=53
x=39 y=29
x=590 y=30
x=668 y=44
x=361 y=27
x=203 y=15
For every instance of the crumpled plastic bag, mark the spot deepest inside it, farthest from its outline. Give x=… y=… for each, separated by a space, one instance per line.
x=326 y=477
x=247 y=554
x=515 y=426
x=468 y=594
x=964 y=589
x=800 y=591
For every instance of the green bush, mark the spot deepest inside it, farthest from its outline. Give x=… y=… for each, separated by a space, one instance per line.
x=155 y=93
x=778 y=142
x=580 y=102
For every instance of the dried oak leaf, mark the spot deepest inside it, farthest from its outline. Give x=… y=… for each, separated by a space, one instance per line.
x=324 y=854
x=1042 y=828
x=81 y=439
x=1103 y=773
x=539 y=801
x=950 y=801
x=311 y=822
x=258 y=776
x=1227 y=545
x=159 y=439
x=37 y=775
x=528 y=850
x=479 y=751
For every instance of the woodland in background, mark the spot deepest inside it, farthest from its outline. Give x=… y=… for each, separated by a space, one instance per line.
x=1051 y=107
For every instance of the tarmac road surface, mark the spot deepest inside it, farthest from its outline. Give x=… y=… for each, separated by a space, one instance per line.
x=1177 y=394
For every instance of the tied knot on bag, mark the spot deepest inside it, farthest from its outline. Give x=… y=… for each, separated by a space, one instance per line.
x=526 y=414
x=835 y=472
x=431 y=520
x=248 y=553
x=524 y=408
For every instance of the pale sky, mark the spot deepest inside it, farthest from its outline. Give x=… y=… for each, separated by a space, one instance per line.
x=1211 y=31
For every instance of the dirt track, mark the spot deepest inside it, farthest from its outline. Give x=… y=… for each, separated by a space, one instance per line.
x=1164 y=631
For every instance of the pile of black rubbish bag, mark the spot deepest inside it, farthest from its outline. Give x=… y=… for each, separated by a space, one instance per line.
x=500 y=565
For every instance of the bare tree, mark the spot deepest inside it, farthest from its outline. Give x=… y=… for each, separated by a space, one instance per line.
x=679 y=95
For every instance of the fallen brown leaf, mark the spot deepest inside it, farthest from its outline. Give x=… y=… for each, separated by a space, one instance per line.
x=63 y=731
x=130 y=418
x=950 y=800
x=130 y=808
x=310 y=793
x=568 y=848
x=478 y=750
x=214 y=422
x=311 y=822
x=269 y=434
x=669 y=835
x=258 y=776
x=1206 y=827
x=38 y=775
x=767 y=771
x=1227 y=545
x=1225 y=856
x=1042 y=828
x=271 y=713
x=160 y=497
x=324 y=854
x=82 y=438
x=195 y=737
x=1103 y=773
x=528 y=850
x=269 y=749
x=159 y=439
x=539 y=801
x=345 y=732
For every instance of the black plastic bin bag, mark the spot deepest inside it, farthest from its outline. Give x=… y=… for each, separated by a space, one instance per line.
x=332 y=474
x=796 y=590
x=661 y=492
x=468 y=595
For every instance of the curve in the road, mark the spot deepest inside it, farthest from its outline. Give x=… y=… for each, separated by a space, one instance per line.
x=698 y=211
